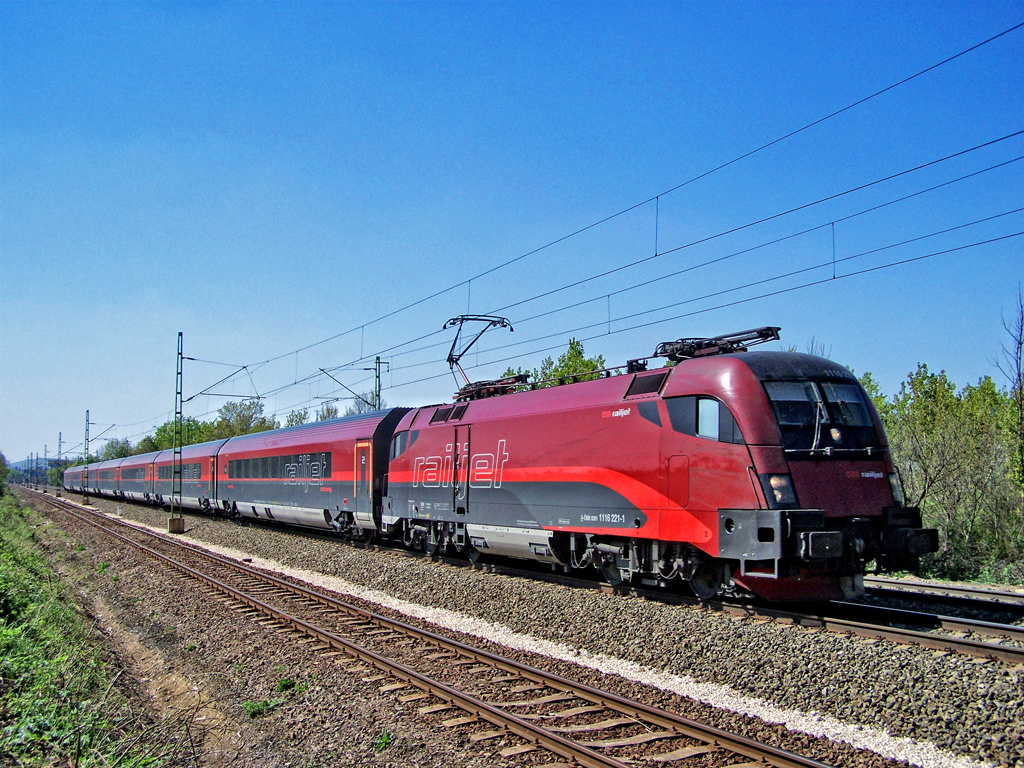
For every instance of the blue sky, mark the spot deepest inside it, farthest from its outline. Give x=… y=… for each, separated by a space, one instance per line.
x=266 y=176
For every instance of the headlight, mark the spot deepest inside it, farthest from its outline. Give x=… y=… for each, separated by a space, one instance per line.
x=897 y=489
x=778 y=489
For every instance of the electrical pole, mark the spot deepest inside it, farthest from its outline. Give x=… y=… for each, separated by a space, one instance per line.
x=85 y=476
x=376 y=383
x=177 y=522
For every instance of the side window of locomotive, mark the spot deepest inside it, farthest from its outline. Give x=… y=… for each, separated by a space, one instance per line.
x=707 y=418
x=648 y=409
x=703 y=417
x=398 y=444
x=682 y=414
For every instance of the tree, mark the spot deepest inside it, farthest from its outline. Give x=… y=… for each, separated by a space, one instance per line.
x=814 y=347
x=365 y=403
x=297 y=417
x=327 y=411
x=55 y=476
x=1011 y=365
x=242 y=418
x=192 y=431
x=571 y=366
x=147 y=444
x=4 y=470
x=116 y=449
x=952 y=453
x=874 y=390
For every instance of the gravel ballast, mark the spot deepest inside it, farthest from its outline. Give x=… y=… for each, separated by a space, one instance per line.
x=903 y=702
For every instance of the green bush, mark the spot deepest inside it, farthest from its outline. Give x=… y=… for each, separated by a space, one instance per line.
x=56 y=702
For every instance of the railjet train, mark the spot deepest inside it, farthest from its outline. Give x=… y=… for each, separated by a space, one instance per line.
x=767 y=471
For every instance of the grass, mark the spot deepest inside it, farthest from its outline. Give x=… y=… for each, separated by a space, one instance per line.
x=256 y=709
x=58 y=705
x=52 y=705
x=384 y=740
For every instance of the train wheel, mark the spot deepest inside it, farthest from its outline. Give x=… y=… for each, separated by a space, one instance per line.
x=613 y=574
x=708 y=580
x=434 y=540
x=367 y=535
x=452 y=537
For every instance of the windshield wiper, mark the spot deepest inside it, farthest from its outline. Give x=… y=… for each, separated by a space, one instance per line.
x=818 y=413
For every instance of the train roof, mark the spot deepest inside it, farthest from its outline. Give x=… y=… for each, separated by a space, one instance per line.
x=793 y=365
x=735 y=377
x=194 y=451
x=363 y=424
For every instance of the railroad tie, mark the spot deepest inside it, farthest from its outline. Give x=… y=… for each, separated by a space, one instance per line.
x=486 y=736
x=521 y=749
x=630 y=741
x=682 y=754
x=456 y=721
x=434 y=709
x=601 y=726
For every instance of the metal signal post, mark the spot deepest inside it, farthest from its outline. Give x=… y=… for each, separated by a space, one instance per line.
x=85 y=476
x=177 y=522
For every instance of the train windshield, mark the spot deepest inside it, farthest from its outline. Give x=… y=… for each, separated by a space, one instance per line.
x=822 y=417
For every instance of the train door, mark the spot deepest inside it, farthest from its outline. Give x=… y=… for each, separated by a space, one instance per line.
x=678 y=490
x=363 y=486
x=460 y=471
x=213 y=478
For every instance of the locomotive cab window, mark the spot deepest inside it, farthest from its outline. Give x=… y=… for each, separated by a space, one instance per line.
x=819 y=415
x=398 y=445
x=707 y=418
x=703 y=417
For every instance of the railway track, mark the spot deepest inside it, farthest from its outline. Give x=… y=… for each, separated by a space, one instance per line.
x=497 y=697
x=930 y=628
x=949 y=594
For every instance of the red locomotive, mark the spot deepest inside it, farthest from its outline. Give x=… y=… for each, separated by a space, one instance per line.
x=767 y=470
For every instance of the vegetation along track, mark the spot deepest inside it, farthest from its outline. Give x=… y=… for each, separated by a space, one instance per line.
x=587 y=726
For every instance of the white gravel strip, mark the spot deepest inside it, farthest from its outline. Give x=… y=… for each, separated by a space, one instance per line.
x=923 y=754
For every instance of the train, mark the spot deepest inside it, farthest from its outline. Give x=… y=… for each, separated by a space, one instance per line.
x=723 y=470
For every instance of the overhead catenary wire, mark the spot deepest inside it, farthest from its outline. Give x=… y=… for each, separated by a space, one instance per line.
x=394 y=349
x=655 y=197
x=832 y=261
x=738 y=302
